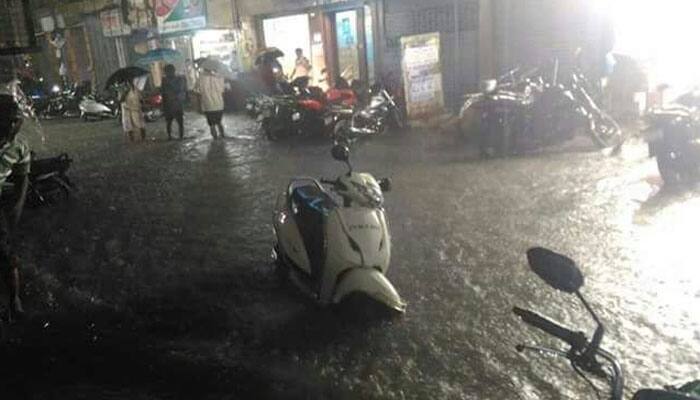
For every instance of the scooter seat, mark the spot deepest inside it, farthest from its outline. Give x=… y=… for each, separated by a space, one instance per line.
x=313 y=199
x=312 y=204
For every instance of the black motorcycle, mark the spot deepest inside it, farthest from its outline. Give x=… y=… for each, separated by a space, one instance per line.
x=587 y=358
x=63 y=102
x=526 y=110
x=673 y=135
x=369 y=120
x=565 y=107
x=303 y=111
x=48 y=182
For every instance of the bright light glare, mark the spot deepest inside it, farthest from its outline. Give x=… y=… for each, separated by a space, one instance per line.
x=662 y=33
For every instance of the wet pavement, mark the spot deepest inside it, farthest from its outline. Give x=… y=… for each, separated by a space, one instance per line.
x=156 y=281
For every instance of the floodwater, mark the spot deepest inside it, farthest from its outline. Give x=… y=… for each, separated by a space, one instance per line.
x=156 y=282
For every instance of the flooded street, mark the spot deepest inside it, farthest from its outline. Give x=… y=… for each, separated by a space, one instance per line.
x=156 y=281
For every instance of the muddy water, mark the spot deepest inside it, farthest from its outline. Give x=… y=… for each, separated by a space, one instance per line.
x=156 y=281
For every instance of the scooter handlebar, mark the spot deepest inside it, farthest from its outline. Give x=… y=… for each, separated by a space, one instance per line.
x=576 y=340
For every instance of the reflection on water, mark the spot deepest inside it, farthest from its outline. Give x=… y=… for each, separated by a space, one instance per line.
x=197 y=216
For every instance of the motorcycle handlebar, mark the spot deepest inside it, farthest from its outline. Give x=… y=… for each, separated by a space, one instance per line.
x=576 y=340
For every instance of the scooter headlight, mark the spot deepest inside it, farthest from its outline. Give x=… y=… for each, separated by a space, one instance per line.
x=55 y=88
x=296 y=116
x=371 y=195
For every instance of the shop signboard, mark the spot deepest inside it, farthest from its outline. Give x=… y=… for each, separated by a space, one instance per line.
x=180 y=15
x=138 y=15
x=422 y=75
x=113 y=23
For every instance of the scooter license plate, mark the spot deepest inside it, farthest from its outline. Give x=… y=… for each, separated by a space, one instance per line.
x=328 y=120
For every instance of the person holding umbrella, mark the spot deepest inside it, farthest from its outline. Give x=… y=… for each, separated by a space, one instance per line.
x=210 y=87
x=174 y=92
x=132 y=114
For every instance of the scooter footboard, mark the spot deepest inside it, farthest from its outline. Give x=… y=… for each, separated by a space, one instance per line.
x=371 y=283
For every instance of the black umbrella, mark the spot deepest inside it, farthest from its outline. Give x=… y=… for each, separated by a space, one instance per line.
x=268 y=54
x=125 y=75
x=215 y=65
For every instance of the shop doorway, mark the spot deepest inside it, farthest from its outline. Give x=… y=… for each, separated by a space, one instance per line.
x=353 y=44
x=287 y=34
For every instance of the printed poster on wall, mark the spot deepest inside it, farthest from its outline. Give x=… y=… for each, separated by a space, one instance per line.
x=113 y=23
x=180 y=15
x=422 y=75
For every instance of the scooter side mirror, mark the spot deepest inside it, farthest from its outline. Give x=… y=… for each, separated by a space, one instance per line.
x=559 y=271
x=385 y=184
x=340 y=153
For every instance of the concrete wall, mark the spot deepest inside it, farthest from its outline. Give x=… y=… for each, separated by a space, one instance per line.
x=529 y=32
x=456 y=20
x=104 y=51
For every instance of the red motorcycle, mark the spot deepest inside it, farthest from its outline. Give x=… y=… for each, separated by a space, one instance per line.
x=152 y=107
x=306 y=110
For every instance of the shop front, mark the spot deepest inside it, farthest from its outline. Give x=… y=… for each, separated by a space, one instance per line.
x=338 y=39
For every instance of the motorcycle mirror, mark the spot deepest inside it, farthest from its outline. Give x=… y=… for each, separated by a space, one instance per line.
x=385 y=184
x=559 y=271
x=340 y=153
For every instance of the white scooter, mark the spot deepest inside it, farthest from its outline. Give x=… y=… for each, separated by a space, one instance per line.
x=91 y=108
x=336 y=252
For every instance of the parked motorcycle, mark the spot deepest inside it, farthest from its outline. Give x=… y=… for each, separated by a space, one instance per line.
x=95 y=107
x=335 y=245
x=587 y=358
x=153 y=107
x=63 y=102
x=565 y=107
x=371 y=120
x=673 y=135
x=48 y=182
x=304 y=112
x=525 y=110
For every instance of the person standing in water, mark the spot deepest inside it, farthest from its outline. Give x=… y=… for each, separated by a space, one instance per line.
x=210 y=87
x=132 y=115
x=174 y=92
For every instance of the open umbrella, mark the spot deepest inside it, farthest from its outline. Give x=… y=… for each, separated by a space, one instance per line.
x=213 y=64
x=125 y=75
x=268 y=53
x=164 y=54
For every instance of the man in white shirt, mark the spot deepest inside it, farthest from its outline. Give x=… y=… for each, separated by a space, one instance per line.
x=302 y=66
x=210 y=87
